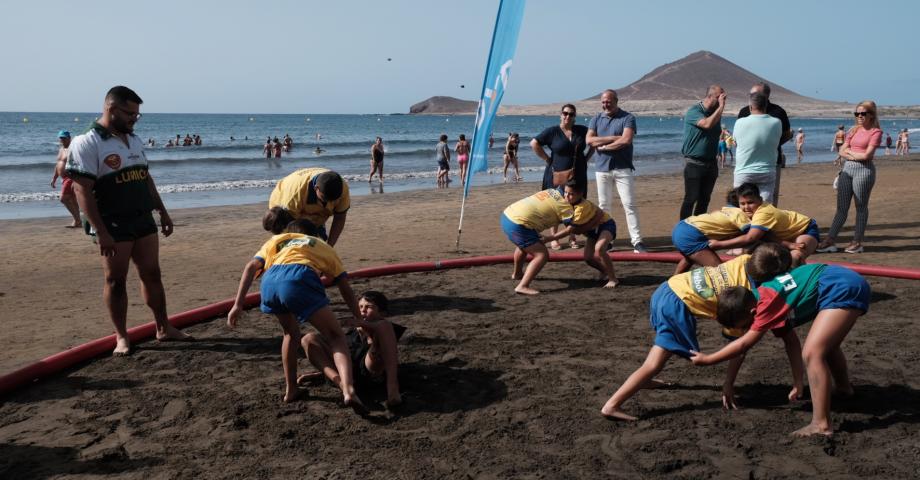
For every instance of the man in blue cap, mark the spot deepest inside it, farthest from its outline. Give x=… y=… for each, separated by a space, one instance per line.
x=68 y=198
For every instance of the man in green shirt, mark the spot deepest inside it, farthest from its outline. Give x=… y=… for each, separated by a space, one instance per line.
x=702 y=126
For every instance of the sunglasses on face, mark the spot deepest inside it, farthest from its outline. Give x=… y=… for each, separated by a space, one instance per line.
x=860 y=114
x=568 y=114
x=129 y=113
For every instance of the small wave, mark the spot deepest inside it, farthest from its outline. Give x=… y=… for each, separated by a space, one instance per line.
x=241 y=184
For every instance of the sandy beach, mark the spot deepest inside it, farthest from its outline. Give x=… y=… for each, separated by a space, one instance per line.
x=497 y=385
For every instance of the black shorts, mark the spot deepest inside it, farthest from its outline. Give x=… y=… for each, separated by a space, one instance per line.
x=359 y=348
x=128 y=228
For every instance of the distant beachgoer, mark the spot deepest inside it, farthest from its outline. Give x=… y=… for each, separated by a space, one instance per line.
x=723 y=146
x=267 y=148
x=774 y=111
x=491 y=140
x=839 y=138
x=373 y=348
x=178 y=140
x=463 y=156
x=287 y=143
x=857 y=178
x=511 y=158
x=187 y=141
x=567 y=160
x=276 y=147
x=800 y=146
x=319 y=137
x=442 y=154
x=231 y=138
x=377 y=153
x=887 y=144
x=314 y=194
x=292 y=290
x=318 y=150
x=170 y=144
x=117 y=195
x=905 y=143
x=702 y=126
x=197 y=139
x=611 y=134
x=758 y=136
x=730 y=144
x=68 y=198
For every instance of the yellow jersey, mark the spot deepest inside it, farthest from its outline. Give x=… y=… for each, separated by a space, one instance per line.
x=296 y=194
x=726 y=223
x=700 y=287
x=545 y=209
x=300 y=249
x=585 y=210
x=784 y=224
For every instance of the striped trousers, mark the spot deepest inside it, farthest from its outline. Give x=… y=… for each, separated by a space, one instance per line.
x=855 y=182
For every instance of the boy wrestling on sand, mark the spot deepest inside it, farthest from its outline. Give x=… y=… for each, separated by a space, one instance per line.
x=674 y=310
x=830 y=296
x=292 y=290
x=374 y=354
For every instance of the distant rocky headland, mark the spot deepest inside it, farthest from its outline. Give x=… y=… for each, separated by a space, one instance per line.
x=671 y=88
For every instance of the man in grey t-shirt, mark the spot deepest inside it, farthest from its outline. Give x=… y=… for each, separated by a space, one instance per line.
x=611 y=134
x=442 y=152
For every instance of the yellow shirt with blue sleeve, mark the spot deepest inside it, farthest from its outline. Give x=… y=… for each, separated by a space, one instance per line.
x=785 y=224
x=300 y=249
x=700 y=287
x=585 y=210
x=543 y=210
x=296 y=193
x=720 y=225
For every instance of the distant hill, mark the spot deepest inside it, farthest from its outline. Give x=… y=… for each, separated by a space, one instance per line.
x=671 y=88
x=442 y=105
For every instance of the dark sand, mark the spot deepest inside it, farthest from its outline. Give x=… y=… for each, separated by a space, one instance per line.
x=496 y=385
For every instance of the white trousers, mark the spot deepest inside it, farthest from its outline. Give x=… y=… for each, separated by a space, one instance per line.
x=624 y=179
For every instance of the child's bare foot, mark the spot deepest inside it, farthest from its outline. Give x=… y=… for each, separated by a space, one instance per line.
x=517 y=276
x=612 y=283
x=122 y=348
x=555 y=245
x=526 y=290
x=812 y=429
x=310 y=378
x=172 y=333
x=73 y=224
x=393 y=401
x=293 y=395
x=616 y=414
x=353 y=402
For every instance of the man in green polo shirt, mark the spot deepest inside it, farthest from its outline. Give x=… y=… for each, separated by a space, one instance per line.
x=702 y=127
x=117 y=194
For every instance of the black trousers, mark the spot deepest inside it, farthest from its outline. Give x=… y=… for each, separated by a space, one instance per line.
x=699 y=180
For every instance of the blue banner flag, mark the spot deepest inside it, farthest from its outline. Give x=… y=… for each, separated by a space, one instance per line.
x=504 y=43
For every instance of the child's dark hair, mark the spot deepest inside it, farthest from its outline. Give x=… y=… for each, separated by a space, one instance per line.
x=330 y=184
x=571 y=183
x=276 y=220
x=377 y=298
x=731 y=198
x=303 y=226
x=735 y=304
x=768 y=260
x=748 y=190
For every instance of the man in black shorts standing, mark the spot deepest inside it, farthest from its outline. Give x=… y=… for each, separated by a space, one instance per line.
x=117 y=194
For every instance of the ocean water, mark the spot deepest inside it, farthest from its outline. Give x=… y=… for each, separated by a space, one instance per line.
x=225 y=172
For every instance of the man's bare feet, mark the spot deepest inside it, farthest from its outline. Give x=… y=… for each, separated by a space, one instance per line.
x=72 y=225
x=812 y=429
x=526 y=290
x=172 y=333
x=611 y=284
x=617 y=414
x=122 y=348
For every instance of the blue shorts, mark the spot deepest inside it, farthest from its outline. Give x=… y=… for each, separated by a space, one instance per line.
x=519 y=235
x=812 y=230
x=294 y=289
x=840 y=287
x=722 y=147
x=674 y=324
x=688 y=239
x=608 y=226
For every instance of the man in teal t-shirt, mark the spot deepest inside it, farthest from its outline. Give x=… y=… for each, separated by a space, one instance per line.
x=702 y=127
x=758 y=136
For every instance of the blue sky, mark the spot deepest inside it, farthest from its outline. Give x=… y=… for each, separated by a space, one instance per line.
x=331 y=57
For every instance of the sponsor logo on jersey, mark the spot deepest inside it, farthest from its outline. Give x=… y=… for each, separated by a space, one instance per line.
x=113 y=161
